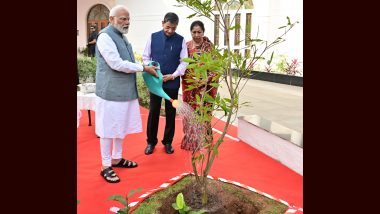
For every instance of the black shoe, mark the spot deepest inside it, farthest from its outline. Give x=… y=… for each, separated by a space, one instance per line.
x=169 y=149
x=149 y=149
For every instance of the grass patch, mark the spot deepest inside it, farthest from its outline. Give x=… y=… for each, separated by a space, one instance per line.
x=151 y=204
x=229 y=195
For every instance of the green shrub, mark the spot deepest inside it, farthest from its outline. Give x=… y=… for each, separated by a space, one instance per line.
x=143 y=91
x=83 y=51
x=87 y=73
x=86 y=68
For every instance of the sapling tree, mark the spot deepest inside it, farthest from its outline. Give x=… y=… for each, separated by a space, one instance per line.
x=232 y=70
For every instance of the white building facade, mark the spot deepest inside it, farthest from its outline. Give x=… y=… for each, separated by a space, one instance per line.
x=146 y=17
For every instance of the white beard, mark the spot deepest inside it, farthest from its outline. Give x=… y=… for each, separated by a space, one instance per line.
x=121 y=29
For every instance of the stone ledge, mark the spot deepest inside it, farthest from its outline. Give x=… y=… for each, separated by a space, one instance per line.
x=278 y=142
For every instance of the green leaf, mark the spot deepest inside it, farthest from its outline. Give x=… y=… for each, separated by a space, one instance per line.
x=204 y=73
x=193 y=160
x=115 y=197
x=270 y=60
x=281 y=27
x=217 y=98
x=78 y=201
x=180 y=201
x=174 y=205
x=237 y=26
x=225 y=110
x=225 y=53
x=216 y=150
x=243 y=66
x=186 y=208
x=227 y=100
x=215 y=85
x=191 y=66
x=190 y=80
x=198 y=212
x=245 y=103
x=123 y=210
x=189 y=60
x=191 y=16
x=190 y=88
x=198 y=158
x=196 y=56
x=289 y=23
x=134 y=191
x=202 y=211
x=119 y=198
x=197 y=98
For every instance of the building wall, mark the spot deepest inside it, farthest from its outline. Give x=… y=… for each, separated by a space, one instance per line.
x=278 y=10
x=146 y=17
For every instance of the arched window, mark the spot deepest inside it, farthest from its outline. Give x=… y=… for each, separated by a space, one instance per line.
x=98 y=17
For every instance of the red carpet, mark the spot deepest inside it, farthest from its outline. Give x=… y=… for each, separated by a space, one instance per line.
x=237 y=161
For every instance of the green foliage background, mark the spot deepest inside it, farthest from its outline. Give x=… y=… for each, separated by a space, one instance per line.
x=87 y=73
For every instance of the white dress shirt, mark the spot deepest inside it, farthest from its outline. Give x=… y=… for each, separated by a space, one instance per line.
x=107 y=48
x=182 y=65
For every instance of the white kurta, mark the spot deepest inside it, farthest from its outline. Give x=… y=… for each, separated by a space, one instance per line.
x=116 y=119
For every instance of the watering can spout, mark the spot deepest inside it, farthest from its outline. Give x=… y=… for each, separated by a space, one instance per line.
x=154 y=84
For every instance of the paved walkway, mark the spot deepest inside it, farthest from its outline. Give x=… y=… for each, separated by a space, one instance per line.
x=273 y=101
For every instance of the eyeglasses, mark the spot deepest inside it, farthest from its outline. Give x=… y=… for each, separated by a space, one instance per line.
x=122 y=18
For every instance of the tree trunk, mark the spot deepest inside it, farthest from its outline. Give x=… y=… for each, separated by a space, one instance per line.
x=204 y=191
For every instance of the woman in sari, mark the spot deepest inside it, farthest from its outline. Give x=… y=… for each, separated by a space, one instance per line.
x=198 y=45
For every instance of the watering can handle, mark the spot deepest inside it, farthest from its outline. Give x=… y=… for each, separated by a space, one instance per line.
x=155 y=84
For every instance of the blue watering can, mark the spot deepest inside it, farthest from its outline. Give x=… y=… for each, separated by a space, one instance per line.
x=155 y=83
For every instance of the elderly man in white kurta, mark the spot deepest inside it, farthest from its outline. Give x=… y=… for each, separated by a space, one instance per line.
x=117 y=107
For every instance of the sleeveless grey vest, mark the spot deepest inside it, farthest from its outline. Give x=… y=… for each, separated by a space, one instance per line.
x=114 y=85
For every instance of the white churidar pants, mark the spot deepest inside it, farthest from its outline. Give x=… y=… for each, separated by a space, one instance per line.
x=113 y=121
x=105 y=150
